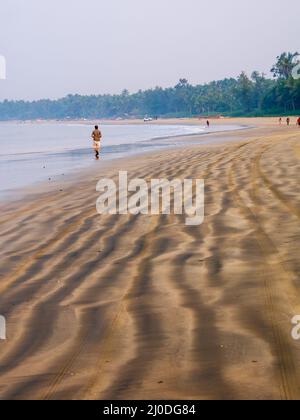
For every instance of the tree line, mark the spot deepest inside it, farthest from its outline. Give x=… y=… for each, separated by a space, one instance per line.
x=254 y=95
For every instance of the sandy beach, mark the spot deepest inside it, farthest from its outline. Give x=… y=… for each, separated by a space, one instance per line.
x=145 y=307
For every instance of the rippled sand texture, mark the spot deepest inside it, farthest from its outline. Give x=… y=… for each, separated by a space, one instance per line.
x=139 y=307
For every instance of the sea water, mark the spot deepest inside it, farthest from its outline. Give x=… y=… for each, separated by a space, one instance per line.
x=37 y=152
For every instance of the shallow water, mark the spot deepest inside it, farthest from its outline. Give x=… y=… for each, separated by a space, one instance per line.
x=31 y=153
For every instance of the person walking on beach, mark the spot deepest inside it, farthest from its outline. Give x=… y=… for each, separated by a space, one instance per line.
x=280 y=121
x=288 y=121
x=97 y=136
x=207 y=124
x=298 y=122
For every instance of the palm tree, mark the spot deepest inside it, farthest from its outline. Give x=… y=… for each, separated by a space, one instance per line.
x=285 y=65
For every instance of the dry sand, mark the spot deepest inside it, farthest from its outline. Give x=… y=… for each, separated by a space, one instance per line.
x=144 y=307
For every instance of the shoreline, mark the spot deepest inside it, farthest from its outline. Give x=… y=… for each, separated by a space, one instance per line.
x=18 y=194
x=168 y=143
x=257 y=121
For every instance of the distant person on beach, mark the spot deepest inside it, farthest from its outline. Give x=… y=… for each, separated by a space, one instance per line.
x=207 y=124
x=288 y=121
x=97 y=136
x=298 y=121
x=280 y=121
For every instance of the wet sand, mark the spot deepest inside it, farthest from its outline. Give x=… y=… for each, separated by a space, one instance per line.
x=140 y=307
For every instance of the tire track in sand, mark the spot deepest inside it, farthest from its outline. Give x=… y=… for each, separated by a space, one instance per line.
x=289 y=382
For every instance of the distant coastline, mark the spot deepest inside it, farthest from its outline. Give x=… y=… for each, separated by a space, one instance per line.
x=254 y=95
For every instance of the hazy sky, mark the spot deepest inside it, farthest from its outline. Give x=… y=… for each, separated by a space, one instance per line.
x=57 y=47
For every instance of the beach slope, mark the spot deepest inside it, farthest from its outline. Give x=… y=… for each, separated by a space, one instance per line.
x=145 y=307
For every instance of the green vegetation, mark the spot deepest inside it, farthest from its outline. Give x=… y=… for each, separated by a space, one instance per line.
x=244 y=96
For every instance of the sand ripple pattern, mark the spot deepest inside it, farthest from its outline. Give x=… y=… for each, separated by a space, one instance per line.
x=144 y=307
